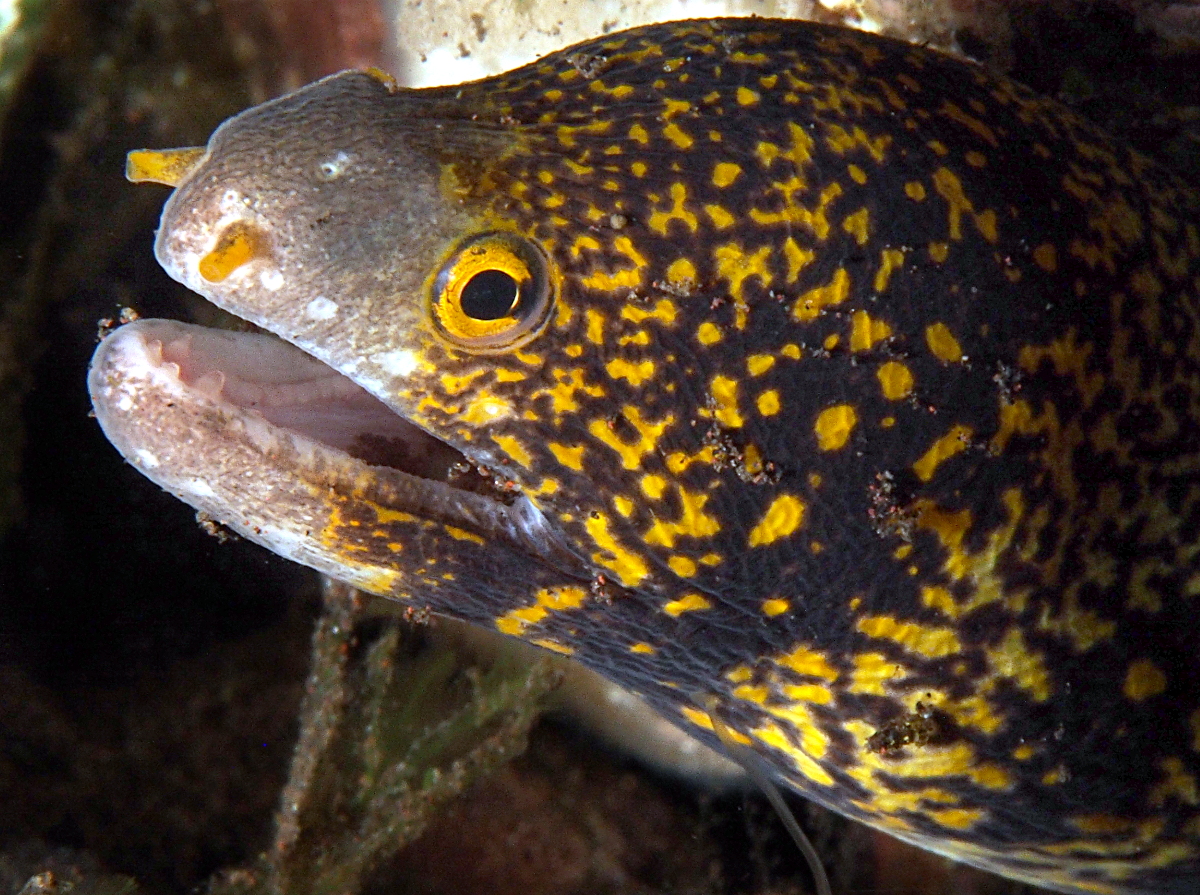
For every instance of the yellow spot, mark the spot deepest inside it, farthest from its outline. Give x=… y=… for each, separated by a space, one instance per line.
x=831 y=342
x=673 y=107
x=890 y=260
x=638 y=134
x=626 y=278
x=775 y=738
x=460 y=534
x=653 y=486
x=767 y=153
x=1102 y=824
x=238 y=245
x=693 y=522
x=783 y=516
x=805 y=661
x=648 y=435
x=810 y=305
x=659 y=219
x=1143 y=680
x=757 y=364
x=1012 y=658
x=1178 y=784
x=865 y=332
x=629 y=568
x=955 y=818
x=775 y=607
x=936 y=643
x=697 y=717
x=737 y=266
x=643 y=649
x=939 y=251
x=797 y=258
x=985 y=223
x=595 y=326
x=711 y=559
x=834 y=425
x=895 y=379
x=1023 y=753
x=950 y=188
x=790 y=350
x=636 y=373
x=681 y=271
x=915 y=191
x=682 y=566
x=857 y=174
x=768 y=402
x=554 y=599
x=514 y=449
x=858 y=225
x=871 y=672
x=725 y=173
x=725 y=399
x=942 y=343
x=708 y=334
x=665 y=311
x=677 y=136
x=687 y=603
x=1054 y=776
x=583 y=242
x=571 y=457
x=746 y=96
x=623 y=505
x=719 y=216
x=953 y=442
x=638 y=169
x=1045 y=256
x=940 y=599
x=554 y=646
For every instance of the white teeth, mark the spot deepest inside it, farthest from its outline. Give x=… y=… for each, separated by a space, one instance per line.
x=211 y=384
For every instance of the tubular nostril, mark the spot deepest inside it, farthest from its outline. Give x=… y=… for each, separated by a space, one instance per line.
x=166 y=166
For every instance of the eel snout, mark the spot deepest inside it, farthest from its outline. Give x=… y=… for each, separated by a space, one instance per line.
x=257 y=434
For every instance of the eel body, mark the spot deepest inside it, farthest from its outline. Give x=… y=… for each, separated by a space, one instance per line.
x=807 y=378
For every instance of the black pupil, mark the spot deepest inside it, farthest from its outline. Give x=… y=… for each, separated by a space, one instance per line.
x=489 y=295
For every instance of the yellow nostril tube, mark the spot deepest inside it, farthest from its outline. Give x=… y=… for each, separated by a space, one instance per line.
x=165 y=166
x=239 y=244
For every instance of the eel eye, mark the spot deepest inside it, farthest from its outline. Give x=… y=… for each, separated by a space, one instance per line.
x=493 y=294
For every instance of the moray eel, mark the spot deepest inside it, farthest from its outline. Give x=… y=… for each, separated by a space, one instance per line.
x=805 y=377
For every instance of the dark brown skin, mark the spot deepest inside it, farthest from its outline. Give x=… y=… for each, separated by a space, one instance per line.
x=855 y=389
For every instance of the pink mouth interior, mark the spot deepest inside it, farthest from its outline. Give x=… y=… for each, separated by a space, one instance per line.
x=291 y=390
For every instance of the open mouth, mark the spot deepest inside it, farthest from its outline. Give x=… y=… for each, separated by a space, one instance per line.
x=275 y=444
x=289 y=389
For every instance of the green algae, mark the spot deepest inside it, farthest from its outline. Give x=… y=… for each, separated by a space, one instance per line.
x=389 y=733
